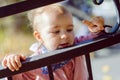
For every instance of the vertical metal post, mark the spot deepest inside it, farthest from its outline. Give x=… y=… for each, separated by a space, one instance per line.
x=9 y=78
x=50 y=72
x=88 y=63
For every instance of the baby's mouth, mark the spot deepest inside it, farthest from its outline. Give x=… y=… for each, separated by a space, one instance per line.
x=64 y=45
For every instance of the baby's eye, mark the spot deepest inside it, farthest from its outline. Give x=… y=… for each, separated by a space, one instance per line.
x=55 y=32
x=69 y=30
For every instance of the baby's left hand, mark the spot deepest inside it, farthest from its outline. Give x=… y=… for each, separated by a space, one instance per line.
x=96 y=25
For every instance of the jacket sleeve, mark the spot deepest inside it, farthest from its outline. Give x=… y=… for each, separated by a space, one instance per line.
x=90 y=36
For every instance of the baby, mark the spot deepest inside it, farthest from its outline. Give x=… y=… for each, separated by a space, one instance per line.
x=53 y=29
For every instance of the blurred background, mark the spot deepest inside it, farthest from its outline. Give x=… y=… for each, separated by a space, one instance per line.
x=16 y=34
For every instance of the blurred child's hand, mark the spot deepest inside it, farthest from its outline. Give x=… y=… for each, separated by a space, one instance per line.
x=96 y=25
x=13 y=61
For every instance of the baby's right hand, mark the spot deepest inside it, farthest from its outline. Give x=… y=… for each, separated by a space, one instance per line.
x=13 y=61
x=96 y=25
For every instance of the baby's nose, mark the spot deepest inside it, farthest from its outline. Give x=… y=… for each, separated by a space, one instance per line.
x=64 y=36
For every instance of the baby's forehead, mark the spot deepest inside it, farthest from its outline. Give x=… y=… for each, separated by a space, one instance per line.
x=52 y=14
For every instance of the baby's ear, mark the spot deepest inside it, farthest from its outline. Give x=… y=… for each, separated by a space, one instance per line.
x=37 y=36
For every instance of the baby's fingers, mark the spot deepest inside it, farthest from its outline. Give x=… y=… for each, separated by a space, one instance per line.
x=11 y=64
x=22 y=57
x=87 y=23
x=4 y=62
x=98 y=20
x=18 y=62
x=90 y=25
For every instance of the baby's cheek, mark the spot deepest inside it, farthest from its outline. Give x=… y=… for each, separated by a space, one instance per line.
x=54 y=46
x=72 y=42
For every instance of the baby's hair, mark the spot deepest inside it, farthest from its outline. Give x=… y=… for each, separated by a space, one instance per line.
x=45 y=9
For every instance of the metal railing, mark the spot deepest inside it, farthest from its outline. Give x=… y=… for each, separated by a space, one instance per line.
x=53 y=57
x=103 y=41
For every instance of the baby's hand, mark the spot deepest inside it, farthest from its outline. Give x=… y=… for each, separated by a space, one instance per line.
x=96 y=25
x=13 y=61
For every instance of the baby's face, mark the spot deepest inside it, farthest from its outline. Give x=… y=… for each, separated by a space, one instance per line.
x=57 y=31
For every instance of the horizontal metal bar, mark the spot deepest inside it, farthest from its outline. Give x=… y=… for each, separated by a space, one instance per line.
x=24 y=6
x=62 y=54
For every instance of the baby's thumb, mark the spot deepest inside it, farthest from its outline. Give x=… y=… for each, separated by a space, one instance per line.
x=23 y=57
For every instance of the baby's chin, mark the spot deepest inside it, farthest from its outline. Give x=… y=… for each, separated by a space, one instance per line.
x=60 y=47
x=65 y=47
